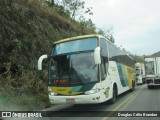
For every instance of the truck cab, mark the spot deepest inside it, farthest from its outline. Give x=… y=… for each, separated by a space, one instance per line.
x=152 y=67
x=140 y=73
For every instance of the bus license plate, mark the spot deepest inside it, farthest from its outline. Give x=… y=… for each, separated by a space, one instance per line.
x=70 y=101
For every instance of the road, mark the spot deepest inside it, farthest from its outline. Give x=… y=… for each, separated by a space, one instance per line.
x=138 y=102
x=142 y=99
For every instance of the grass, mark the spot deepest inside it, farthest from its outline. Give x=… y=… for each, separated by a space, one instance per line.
x=28 y=30
x=24 y=92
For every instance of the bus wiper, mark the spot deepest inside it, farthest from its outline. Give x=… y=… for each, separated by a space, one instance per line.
x=74 y=73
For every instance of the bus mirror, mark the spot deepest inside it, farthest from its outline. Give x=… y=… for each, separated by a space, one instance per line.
x=97 y=57
x=40 y=60
x=104 y=76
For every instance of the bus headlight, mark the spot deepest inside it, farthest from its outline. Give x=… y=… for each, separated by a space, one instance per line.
x=93 y=91
x=50 y=92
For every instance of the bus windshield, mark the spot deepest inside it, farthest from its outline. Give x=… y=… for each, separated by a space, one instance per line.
x=73 y=69
x=85 y=44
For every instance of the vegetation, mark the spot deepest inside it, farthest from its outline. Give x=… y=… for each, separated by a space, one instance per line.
x=157 y=54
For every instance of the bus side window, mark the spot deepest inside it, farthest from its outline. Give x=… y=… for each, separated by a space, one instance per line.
x=141 y=71
x=104 y=58
x=103 y=68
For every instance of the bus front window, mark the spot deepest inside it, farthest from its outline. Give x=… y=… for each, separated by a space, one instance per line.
x=73 y=69
x=59 y=70
x=84 y=68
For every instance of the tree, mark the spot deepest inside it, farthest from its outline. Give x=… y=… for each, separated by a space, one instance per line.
x=87 y=24
x=111 y=38
x=75 y=8
x=106 y=33
x=52 y=2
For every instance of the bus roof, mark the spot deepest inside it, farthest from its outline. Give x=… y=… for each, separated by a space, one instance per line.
x=87 y=36
x=77 y=37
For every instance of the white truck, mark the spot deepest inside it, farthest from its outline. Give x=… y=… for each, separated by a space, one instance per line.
x=152 y=67
x=140 y=73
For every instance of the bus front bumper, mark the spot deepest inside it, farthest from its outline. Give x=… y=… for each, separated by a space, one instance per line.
x=153 y=82
x=77 y=99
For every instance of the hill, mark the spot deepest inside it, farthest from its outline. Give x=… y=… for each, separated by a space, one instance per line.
x=157 y=54
x=28 y=30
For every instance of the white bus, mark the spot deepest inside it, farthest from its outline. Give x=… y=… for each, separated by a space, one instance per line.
x=88 y=69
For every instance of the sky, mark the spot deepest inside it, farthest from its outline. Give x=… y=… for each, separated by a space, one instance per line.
x=136 y=23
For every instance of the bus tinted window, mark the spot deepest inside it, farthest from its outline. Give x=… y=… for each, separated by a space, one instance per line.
x=103 y=45
x=115 y=54
x=75 y=46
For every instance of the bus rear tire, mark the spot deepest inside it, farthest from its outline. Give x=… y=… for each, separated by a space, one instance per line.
x=133 y=85
x=150 y=87
x=114 y=95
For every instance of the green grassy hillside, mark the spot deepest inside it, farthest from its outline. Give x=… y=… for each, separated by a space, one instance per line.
x=28 y=30
x=157 y=54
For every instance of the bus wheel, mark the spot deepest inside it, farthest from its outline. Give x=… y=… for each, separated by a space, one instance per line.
x=150 y=87
x=113 y=99
x=132 y=89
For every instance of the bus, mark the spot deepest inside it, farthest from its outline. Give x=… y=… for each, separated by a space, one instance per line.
x=87 y=69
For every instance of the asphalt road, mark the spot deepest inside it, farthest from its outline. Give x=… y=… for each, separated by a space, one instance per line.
x=139 y=103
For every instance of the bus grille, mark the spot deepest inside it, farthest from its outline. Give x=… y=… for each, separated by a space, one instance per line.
x=149 y=81
x=157 y=81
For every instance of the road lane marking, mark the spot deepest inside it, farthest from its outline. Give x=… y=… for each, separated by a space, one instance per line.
x=138 y=92
x=122 y=104
x=58 y=107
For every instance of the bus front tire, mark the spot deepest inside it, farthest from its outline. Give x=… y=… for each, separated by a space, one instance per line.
x=150 y=87
x=114 y=96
